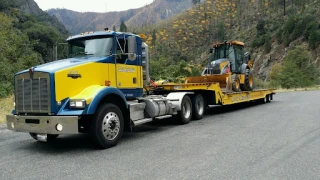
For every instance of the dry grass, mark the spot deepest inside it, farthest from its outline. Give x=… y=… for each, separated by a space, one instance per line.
x=6 y=106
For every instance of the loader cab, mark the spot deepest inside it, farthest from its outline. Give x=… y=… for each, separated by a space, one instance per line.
x=231 y=51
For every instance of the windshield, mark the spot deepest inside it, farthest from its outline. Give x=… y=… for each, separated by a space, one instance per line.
x=98 y=47
x=219 y=52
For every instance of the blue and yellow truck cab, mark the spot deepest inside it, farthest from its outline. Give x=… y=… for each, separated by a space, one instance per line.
x=99 y=90
x=53 y=97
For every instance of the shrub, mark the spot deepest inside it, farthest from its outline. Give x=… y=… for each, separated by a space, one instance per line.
x=297 y=70
x=267 y=45
x=289 y=25
x=260 y=27
x=279 y=36
x=314 y=37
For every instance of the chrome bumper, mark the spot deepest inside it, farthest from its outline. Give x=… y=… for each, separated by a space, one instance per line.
x=43 y=124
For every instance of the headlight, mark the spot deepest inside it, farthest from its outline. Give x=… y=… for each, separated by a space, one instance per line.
x=81 y=103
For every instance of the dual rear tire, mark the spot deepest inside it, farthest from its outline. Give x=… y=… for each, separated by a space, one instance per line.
x=191 y=109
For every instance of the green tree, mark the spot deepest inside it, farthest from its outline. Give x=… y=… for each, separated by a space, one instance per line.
x=123 y=27
x=16 y=54
x=260 y=27
x=314 y=37
x=154 y=38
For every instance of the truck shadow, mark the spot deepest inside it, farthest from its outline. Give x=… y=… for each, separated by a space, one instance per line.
x=83 y=142
x=234 y=107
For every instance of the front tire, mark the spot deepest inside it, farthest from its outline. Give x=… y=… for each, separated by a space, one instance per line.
x=184 y=116
x=107 y=125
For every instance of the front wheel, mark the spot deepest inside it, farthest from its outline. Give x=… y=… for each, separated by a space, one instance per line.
x=107 y=126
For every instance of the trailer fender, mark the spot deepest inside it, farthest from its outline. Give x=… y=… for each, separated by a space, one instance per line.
x=176 y=98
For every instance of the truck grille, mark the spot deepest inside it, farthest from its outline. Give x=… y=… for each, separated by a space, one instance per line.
x=32 y=94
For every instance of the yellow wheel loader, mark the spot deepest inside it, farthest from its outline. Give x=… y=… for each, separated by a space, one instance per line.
x=230 y=66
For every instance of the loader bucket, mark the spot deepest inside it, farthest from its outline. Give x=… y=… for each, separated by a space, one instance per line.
x=217 y=78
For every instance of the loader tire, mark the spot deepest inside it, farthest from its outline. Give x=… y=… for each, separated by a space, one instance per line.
x=248 y=81
x=235 y=83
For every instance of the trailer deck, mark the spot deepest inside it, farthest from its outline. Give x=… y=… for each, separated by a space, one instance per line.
x=223 y=96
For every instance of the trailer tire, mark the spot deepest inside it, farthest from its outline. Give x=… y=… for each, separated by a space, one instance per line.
x=107 y=126
x=185 y=115
x=268 y=98
x=198 y=107
x=50 y=137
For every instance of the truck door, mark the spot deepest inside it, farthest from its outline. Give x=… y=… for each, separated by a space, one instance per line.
x=127 y=72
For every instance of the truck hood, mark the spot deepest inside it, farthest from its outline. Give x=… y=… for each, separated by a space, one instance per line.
x=54 y=66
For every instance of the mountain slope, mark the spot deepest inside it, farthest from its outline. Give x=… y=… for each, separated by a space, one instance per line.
x=28 y=36
x=269 y=35
x=77 y=22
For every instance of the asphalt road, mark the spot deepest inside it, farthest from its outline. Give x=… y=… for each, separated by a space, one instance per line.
x=277 y=140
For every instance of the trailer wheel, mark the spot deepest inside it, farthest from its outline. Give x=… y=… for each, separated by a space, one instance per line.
x=184 y=116
x=107 y=125
x=198 y=107
x=50 y=137
x=268 y=98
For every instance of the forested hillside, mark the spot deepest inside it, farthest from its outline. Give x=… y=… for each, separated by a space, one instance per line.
x=282 y=36
x=27 y=38
x=77 y=22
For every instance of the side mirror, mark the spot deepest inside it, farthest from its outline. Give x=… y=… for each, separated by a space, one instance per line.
x=132 y=48
x=211 y=50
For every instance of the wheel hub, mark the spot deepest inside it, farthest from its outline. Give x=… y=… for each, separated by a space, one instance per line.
x=111 y=126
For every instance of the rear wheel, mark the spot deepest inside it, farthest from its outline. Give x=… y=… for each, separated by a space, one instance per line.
x=107 y=126
x=184 y=116
x=248 y=81
x=235 y=83
x=198 y=107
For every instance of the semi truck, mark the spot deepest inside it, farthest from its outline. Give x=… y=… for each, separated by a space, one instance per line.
x=104 y=88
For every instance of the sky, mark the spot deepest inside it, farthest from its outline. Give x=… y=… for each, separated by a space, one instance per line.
x=92 y=5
